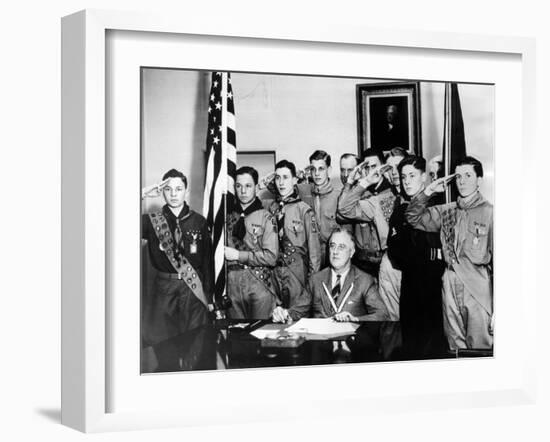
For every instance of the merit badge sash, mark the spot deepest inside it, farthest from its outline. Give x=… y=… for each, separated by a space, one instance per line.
x=182 y=266
x=261 y=273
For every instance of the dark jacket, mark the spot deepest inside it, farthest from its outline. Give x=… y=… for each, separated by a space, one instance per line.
x=359 y=296
x=197 y=245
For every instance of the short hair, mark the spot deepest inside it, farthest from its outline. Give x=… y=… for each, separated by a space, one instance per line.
x=415 y=161
x=289 y=165
x=341 y=229
x=320 y=155
x=398 y=152
x=248 y=170
x=437 y=159
x=374 y=153
x=467 y=160
x=173 y=173
x=350 y=155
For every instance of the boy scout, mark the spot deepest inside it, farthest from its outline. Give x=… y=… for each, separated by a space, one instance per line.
x=466 y=232
x=181 y=252
x=325 y=198
x=299 y=246
x=341 y=290
x=368 y=200
x=389 y=277
x=251 y=252
x=418 y=255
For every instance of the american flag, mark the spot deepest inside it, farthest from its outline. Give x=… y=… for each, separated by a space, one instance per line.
x=221 y=147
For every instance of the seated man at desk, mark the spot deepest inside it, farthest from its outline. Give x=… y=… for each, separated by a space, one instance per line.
x=341 y=290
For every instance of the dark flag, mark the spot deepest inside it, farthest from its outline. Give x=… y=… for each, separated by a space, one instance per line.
x=454 y=143
x=220 y=171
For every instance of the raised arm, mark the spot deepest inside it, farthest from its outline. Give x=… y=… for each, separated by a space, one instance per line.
x=422 y=217
x=352 y=207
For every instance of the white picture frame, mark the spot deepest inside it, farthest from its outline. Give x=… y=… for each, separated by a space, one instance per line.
x=85 y=215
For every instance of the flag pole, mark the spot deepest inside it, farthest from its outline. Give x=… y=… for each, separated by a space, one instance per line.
x=223 y=171
x=447 y=137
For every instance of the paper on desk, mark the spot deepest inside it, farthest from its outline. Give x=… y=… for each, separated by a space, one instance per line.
x=268 y=330
x=322 y=326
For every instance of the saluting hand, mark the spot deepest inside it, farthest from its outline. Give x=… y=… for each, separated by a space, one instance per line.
x=154 y=190
x=438 y=186
x=374 y=176
x=354 y=175
x=264 y=182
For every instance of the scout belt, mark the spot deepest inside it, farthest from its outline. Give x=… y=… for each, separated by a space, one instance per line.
x=261 y=273
x=184 y=269
x=366 y=255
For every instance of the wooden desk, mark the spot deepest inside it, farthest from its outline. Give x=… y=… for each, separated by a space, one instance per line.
x=221 y=346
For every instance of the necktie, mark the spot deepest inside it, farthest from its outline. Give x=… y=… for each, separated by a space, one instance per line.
x=336 y=288
x=178 y=237
x=281 y=221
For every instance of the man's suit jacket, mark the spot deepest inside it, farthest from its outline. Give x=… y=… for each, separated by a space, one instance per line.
x=359 y=296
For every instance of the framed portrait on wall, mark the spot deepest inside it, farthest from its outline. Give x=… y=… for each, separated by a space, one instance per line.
x=388 y=116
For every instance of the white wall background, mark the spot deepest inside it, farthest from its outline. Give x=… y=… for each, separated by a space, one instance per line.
x=30 y=179
x=293 y=115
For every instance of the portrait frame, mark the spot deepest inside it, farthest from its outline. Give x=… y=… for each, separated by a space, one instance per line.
x=86 y=258
x=374 y=101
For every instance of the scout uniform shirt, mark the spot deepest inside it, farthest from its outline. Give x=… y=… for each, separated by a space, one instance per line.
x=466 y=232
x=299 y=246
x=253 y=233
x=373 y=212
x=195 y=245
x=325 y=202
x=175 y=305
x=260 y=245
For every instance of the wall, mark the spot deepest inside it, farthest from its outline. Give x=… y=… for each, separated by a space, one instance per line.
x=293 y=115
x=174 y=122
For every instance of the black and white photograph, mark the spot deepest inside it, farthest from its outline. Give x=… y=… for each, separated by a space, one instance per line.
x=292 y=220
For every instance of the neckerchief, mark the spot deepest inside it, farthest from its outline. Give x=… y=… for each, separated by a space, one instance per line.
x=470 y=202
x=317 y=192
x=323 y=189
x=178 y=232
x=293 y=198
x=239 y=229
